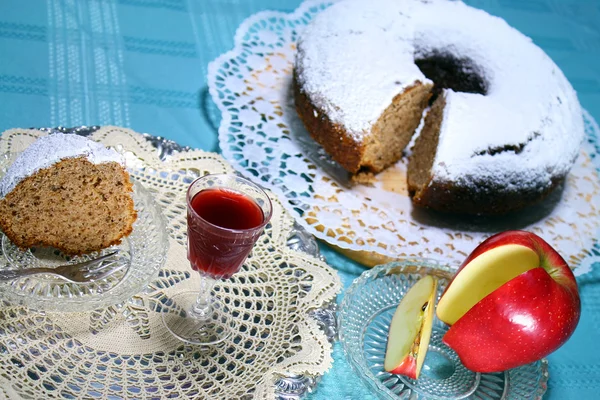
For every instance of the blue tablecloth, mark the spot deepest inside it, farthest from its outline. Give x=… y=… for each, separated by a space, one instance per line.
x=143 y=64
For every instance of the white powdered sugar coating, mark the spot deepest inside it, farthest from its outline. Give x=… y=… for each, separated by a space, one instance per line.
x=356 y=56
x=48 y=150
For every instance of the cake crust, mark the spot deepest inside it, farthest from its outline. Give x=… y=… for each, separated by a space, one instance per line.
x=343 y=148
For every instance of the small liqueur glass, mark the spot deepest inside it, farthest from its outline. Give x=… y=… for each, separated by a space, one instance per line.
x=226 y=214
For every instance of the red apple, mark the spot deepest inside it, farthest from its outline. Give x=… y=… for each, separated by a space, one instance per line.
x=410 y=329
x=513 y=301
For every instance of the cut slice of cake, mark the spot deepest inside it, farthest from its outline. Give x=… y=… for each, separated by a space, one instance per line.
x=67 y=192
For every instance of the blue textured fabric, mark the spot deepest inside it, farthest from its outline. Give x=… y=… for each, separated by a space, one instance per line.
x=142 y=64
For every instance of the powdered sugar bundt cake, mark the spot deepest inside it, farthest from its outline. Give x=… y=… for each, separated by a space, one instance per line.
x=504 y=127
x=68 y=192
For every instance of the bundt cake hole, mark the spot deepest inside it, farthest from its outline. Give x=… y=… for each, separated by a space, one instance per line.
x=448 y=71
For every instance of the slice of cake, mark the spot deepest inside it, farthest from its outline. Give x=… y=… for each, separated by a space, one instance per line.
x=68 y=192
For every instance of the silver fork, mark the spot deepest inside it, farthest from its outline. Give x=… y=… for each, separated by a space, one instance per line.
x=85 y=271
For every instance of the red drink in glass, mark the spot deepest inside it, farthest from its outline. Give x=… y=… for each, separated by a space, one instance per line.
x=226 y=214
x=223 y=225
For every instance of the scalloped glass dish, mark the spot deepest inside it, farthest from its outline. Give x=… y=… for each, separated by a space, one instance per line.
x=364 y=320
x=144 y=252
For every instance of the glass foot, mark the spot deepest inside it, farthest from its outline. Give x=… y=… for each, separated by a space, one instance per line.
x=213 y=327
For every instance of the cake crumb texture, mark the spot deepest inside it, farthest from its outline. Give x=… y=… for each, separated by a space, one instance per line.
x=74 y=205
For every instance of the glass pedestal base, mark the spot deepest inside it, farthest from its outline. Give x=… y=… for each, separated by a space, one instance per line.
x=208 y=328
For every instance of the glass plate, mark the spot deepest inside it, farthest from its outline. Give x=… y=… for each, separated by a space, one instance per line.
x=144 y=251
x=364 y=320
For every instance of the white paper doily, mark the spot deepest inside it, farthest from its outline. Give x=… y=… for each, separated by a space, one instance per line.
x=261 y=135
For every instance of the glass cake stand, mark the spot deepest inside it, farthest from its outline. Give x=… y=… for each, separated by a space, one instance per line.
x=364 y=320
x=142 y=254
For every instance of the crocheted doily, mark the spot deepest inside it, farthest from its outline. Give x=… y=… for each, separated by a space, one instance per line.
x=251 y=86
x=123 y=351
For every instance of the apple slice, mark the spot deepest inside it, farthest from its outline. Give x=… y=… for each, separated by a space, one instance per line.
x=410 y=329
x=481 y=276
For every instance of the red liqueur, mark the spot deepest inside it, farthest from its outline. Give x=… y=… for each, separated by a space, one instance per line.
x=215 y=245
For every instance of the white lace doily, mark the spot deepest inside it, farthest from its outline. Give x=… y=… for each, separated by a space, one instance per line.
x=124 y=351
x=261 y=135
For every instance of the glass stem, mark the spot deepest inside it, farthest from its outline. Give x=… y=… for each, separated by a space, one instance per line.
x=203 y=309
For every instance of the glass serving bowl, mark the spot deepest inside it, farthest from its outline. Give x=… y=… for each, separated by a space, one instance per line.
x=144 y=252
x=364 y=320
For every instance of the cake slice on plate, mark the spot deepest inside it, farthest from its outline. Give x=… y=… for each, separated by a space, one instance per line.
x=68 y=192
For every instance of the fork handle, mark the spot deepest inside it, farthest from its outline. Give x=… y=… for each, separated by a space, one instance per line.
x=10 y=274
